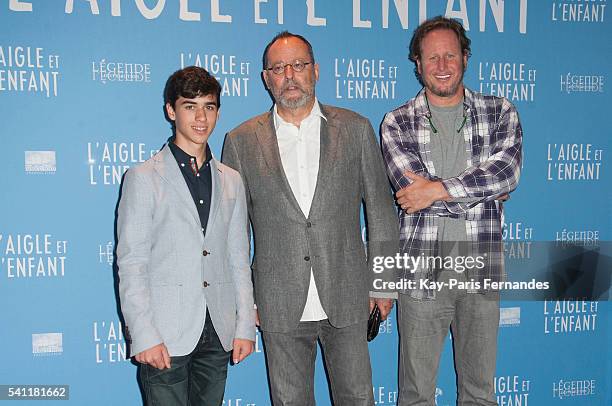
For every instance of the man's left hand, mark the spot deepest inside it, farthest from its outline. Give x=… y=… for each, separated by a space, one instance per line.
x=420 y=194
x=242 y=349
x=385 y=306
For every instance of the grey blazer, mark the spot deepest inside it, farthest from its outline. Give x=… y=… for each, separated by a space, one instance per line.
x=169 y=271
x=287 y=244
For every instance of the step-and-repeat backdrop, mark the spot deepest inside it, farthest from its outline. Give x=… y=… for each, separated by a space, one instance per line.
x=81 y=101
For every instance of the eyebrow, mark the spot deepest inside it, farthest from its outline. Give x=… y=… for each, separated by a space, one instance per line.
x=291 y=60
x=191 y=102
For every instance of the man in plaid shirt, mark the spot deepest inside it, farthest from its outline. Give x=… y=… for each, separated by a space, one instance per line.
x=453 y=156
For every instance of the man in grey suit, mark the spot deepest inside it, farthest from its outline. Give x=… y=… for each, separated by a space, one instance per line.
x=183 y=256
x=307 y=168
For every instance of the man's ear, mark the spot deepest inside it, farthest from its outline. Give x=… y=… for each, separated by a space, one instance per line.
x=170 y=112
x=264 y=75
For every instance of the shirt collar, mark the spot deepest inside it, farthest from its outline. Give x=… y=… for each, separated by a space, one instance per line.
x=315 y=112
x=183 y=157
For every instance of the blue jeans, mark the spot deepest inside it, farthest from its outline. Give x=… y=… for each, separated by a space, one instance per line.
x=194 y=379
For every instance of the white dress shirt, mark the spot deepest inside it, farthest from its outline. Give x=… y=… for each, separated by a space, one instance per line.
x=299 y=151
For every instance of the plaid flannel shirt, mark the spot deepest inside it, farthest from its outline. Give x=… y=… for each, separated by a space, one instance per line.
x=493 y=139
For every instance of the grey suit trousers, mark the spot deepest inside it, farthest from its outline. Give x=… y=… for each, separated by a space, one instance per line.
x=291 y=364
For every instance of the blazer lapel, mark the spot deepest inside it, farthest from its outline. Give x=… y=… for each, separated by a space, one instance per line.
x=269 y=146
x=330 y=133
x=167 y=167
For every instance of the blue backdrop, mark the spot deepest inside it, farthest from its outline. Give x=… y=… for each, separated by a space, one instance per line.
x=81 y=100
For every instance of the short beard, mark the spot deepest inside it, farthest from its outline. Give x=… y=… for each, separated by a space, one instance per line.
x=444 y=93
x=293 y=104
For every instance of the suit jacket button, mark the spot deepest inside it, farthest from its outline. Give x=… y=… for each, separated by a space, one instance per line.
x=205 y=253
x=308 y=224
x=306 y=258
x=205 y=284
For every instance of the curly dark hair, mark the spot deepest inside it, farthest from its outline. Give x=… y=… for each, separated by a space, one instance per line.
x=191 y=82
x=437 y=23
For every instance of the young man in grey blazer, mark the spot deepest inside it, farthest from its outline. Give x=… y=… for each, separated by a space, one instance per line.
x=183 y=256
x=307 y=168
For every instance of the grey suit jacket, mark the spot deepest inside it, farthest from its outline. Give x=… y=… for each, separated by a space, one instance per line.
x=169 y=272
x=287 y=244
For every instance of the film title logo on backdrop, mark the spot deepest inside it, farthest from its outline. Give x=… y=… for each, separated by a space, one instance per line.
x=509 y=316
x=109 y=342
x=220 y=11
x=47 y=344
x=33 y=255
x=107 y=71
x=577 y=83
x=570 y=316
x=258 y=342
x=581 y=162
x=384 y=395
x=587 y=11
x=29 y=69
x=512 y=80
x=236 y=402
x=386 y=326
x=231 y=72
x=106 y=253
x=364 y=78
x=512 y=390
x=40 y=162
x=564 y=389
x=517 y=239
x=584 y=237
x=108 y=161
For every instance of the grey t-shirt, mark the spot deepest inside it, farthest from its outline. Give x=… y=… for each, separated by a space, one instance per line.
x=450 y=158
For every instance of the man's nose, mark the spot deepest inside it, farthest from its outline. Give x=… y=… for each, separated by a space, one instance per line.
x=200 y=115
x=288 y=71
x=442 y=62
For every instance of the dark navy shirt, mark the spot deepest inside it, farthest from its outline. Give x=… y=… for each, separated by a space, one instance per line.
x=199 y=181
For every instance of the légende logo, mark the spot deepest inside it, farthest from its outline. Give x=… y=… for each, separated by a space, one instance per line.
x=40 y=162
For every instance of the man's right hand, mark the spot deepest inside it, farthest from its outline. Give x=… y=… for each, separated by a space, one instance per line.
x=157 y=356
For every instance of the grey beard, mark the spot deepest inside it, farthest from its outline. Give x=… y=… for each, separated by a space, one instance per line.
x=293 y=104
